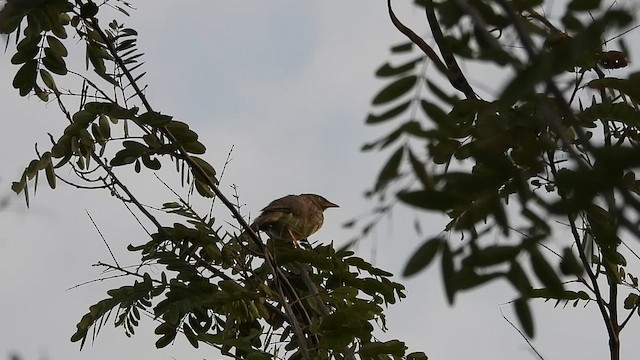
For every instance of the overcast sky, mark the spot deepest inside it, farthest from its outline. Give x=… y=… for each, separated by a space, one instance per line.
x=288 y=85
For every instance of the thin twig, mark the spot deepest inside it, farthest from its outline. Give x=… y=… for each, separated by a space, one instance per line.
x=103 y=239
x=224 y=167
x=428 y=50
x=629 y=315
x=96 y=280
x=521 y=335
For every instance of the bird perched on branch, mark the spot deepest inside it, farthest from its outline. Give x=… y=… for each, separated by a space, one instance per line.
x=292 y=218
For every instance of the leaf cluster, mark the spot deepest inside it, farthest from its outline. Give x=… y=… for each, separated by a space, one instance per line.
x=514 y=164
x=40 y=54
x=243 y=297
x=212 y=291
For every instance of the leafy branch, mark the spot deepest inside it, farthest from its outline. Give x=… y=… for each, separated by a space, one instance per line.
x=318 y=301
x=523 y=159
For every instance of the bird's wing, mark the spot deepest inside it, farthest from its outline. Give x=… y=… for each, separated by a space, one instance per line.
x=274 y=211
x=288 y=204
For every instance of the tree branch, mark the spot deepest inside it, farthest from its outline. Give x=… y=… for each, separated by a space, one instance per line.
x=270 y=261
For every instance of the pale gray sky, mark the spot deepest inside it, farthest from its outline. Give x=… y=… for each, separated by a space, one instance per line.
x=282 y=82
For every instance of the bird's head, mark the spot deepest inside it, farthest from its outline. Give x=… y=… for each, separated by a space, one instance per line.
x=320 y=201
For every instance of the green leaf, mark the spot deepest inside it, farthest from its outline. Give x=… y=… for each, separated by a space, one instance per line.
x=204 y=189
x=29 y=42
x=446 y=123
x=565 y=295
x=54 y=62
x=51 y=176
x=97 y=134
x=135 y=147
x=417 y=356
x=206 y=167
x=419 y=170
x=448 y=272
x=545 y=272
x=18 y=186
x=491 y=255
x=105 y=126
x=259 y=356
x=429 y=199
x=437 y=91
x=518 y=278
x=22 y=56
x=583 y=5
x=181 y=132
x=631 y=301
x=154 y=119
x=42 y=95
x=32 y=169
x=25 y=78
x=165 y=340
x=619 y=112
x=603 y=227
x=468 y=278
x=523 y=313
x=83 y=327
x=390 y=170
x=194 y=147
x=190 y=335
x=401 y=48
x=82 y=119
x=47 y=78
x=44 y=161
x=392 y=347
x=422 y=257
x=571 y=22
x=96 y=56
x=344 y=292
x=395 y=90
x=110 y=109
x=444 y=150
x=626 y=86
x=124 y=157
x=88 y=10
x=126 y=44
x=388 y=70
x=570 y=265
x=389 y=114
x=151 y=163
x=57 y=47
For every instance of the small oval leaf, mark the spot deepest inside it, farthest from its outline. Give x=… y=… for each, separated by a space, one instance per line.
x=388 y=70
x=448 y=272
x=389 y=114
x=423 y=256
x=395 y=90
x=545 y=272
x=390 y=169
x=523 y=313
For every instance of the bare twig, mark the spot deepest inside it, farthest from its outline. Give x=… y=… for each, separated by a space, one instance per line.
x=521 y=335
x=103 y=239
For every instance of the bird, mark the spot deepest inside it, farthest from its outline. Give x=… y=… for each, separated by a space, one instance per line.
x=292 y=218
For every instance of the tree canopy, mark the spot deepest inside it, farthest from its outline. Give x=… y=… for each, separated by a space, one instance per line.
x=553 y=147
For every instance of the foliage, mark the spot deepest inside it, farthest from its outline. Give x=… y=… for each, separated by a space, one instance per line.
x=214 y=292
x=558 y=144
x=247 y=298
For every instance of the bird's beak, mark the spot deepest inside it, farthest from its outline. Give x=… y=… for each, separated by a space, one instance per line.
x=329 y=204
